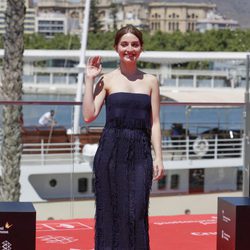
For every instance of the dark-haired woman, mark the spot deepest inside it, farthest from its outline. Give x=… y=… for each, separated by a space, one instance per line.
x=123 y=164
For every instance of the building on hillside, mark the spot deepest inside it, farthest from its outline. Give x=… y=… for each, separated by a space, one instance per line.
x=106 y=12
x=170 y=17
x=116 y=14
x=215 y=21
x=154 y=16
x=135 y=13
x=72 y=11
x=29 y=21
x=50 y=24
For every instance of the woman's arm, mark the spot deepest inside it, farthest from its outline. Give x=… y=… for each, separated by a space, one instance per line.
x=156 y=130
x=92 y=102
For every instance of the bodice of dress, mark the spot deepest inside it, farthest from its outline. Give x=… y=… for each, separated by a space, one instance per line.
x=128 y=110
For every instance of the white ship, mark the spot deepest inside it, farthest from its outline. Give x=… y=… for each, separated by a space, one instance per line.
x=58 y=166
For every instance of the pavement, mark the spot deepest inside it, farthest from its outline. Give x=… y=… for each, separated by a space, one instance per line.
x=159 y=206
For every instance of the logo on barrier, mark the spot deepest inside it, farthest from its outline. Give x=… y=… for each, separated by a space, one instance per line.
x=6 y=245
x=225 y=218
x=5 y=229
x=57 y=239
x=7 y=225
x=225 y=236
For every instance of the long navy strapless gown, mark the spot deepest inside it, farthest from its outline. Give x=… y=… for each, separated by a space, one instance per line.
x=123 y=174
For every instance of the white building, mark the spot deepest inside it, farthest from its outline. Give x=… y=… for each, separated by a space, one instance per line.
x=135 y=13
x=30 y=16
x=50 y=24
x=73 y=12
x=217 y=22
x=29 y=21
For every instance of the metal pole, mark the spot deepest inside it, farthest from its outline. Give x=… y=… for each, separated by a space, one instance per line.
x=81 y=66
x=246 y=167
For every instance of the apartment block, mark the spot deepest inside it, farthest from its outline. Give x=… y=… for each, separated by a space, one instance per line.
x=216 y=22
x=50 y=24
x=73 y=13
x=30 y=17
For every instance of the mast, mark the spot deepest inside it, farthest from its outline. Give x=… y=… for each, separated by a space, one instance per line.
x=246 y=165
x=81 y=67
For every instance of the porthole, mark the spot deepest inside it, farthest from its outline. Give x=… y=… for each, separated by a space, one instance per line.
x=53 y=182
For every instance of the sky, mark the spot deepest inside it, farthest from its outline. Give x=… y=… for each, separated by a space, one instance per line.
x=74 y=1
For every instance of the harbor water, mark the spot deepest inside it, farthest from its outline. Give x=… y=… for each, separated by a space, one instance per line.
x=195 y=118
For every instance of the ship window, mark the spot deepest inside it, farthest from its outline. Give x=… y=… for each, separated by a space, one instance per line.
x=239 y=179
x=93 y=185
x=162 y=183
x=82 y=185
x=174 y=181
x=53 y=182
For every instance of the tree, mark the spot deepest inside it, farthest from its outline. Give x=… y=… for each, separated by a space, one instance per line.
x=12 y=91
x=114 y=10
x=94 y=22
x=35 y=41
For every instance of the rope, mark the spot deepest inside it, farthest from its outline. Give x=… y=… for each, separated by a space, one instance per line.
x=50 y=135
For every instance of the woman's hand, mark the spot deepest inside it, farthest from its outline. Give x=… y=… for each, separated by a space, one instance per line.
x=158 y=169
x=94 y=67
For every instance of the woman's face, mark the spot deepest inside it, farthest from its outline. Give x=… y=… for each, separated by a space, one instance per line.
x=129 y=48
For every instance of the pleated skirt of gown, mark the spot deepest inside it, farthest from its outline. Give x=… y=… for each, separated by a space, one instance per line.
x=123 y=179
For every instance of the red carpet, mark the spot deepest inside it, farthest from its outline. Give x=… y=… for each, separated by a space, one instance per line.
x=183 y=232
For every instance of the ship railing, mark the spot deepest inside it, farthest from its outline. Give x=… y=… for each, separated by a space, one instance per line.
x=181 y=149
x=202 y=148
x=51 y=153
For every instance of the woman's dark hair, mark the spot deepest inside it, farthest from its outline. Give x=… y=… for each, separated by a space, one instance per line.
x=128 y=29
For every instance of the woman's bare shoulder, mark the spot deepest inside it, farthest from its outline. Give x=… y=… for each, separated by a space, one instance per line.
x=109 y=75
x=150 y=79
x=107 y=79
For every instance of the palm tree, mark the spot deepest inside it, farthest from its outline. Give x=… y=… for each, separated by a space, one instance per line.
x=12 y=91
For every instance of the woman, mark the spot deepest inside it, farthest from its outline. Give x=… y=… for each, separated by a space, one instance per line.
x=123 y=163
